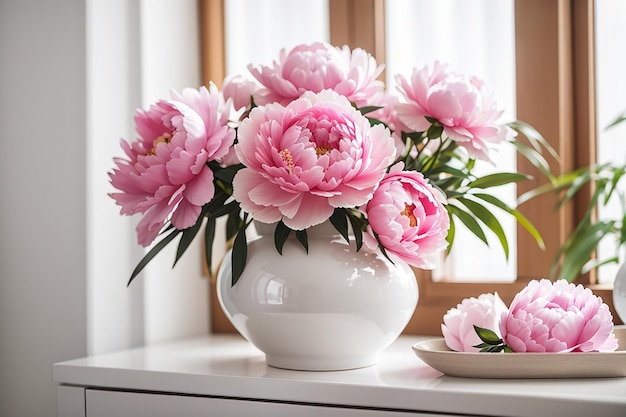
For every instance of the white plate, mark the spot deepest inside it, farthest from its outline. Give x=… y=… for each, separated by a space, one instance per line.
x=525 y=365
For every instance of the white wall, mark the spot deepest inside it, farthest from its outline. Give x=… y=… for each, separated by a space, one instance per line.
x=42 y=198
x=72 y=73
x=133 y=62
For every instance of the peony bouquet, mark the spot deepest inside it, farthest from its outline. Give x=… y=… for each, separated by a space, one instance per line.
x=316 y=137
x=545 y=316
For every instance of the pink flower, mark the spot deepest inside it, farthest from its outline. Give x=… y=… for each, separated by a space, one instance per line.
x=304 y=160
x=557 y=317
x=318 y=67
x=166 y=173
x=458 y=323
x=463 y=105
x=388 y=115
x=239 y=90
x=409 y=217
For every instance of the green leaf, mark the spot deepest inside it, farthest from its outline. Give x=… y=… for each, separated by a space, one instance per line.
x=537 y=141
x=188 y=235
x=578 y=183
x=209 y=238
x=621 y=118
x=469 y=221
x=447 y=170
x=280 y=236
x=485 y=216
x=434 y=131
x=224 y=209
x=339 y=221
x=561 y=182
x=488 y=336
x=225 y=174
x=495 y=349
x=535 y=158
x=303 y=239
x=216 y=204
x=596 y=263
x=373 y=121
x=497 y=179
x=358 y=225
x=450 y=235
x=152 y=253
x=622 y=231
x=368 y=109
x=233 y=224
x=581 y=249
x=239 y=255
x=519 y=217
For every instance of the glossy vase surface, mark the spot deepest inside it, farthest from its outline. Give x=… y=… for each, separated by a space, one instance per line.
x=331 y=309
x=619 y=293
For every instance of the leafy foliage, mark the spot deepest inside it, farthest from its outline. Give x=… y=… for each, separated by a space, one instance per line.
x=490 y=341
x=578 y=254
x=452 y=171
x=448 y=168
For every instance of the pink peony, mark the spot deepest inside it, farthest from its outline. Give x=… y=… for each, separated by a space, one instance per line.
x=318 y=67
x=239 y=90
x=458 y=323
x=304 y=160
x=409 y=217
x=463 y=105
x=557 y=317
x=388 y=115
x=166 y=173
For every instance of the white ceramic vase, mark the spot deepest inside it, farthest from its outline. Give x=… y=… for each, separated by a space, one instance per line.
x=619 y=293
x=331 y=309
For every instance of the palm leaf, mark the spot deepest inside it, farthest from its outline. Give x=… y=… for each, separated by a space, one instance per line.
x=498 y=179
x=519 y=217
x=489 y=220
x=469 y=221
x=581 y=249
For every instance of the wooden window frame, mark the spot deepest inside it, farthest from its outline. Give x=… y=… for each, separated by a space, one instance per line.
x=556 y=94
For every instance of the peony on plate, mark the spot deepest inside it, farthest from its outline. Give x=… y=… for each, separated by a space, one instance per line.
x=544 y=316
x=550 y=330
x=436 y=354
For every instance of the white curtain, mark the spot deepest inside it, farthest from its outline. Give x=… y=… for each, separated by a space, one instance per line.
x=137 y=52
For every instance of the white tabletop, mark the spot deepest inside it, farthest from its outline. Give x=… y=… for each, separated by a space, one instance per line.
x=227 y=365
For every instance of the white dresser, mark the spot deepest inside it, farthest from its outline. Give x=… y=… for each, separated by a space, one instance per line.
x=223 y=375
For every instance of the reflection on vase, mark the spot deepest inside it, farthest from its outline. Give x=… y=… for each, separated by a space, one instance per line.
x=619 y=293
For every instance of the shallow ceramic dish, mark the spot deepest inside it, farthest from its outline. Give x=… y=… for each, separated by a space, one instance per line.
x=525 y=365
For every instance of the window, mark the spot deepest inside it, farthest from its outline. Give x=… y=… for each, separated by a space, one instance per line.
x=610 y=16
x=554 y=79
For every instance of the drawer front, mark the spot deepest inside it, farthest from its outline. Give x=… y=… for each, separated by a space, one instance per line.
x=101 y=403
